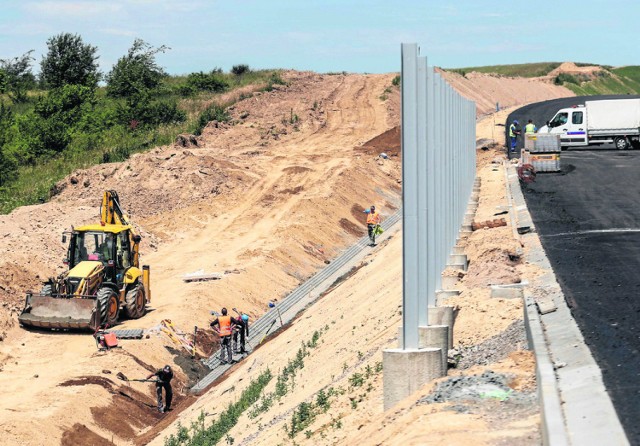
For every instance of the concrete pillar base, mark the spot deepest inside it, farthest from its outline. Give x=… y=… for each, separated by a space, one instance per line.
x=458 y=262
x=448 y=282
x=443 y=294
x=465 y=231
x=433 y=336
x=406 y=371
x=507 y=291
x=442 y=316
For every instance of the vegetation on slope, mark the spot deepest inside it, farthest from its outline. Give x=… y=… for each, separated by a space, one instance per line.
x=518 y=70
x=72 y=116
x=608 y=80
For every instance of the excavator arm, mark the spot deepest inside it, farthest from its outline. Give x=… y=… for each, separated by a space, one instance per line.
x=110 y=210
x=111 y=214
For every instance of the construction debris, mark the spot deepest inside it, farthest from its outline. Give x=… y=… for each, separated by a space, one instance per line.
x=133 y=333
x=178 y=337
x=495 y=223
x=201 y=276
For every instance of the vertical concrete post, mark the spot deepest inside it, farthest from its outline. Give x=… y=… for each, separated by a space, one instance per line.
x=410 y=259
x=423 y=248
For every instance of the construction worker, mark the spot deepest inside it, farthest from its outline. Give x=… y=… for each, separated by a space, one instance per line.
x=530 y=128
x=165 y=375
x=242 y=329
x=514 y=131
x=373 y=220
x=225 y=325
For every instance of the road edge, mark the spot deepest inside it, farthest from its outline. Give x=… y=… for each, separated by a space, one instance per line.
x=575 y=406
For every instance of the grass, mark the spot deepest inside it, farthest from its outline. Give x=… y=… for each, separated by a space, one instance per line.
x=199 y=435
x=518 y=70
x=286 y=378
x=623 y=80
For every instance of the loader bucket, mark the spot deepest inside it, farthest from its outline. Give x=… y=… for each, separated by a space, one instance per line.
x=56 y=312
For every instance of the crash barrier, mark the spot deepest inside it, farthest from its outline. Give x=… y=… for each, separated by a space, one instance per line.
x=286 y=310
x=438 y=174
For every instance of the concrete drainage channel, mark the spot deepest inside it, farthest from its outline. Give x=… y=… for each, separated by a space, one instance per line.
x=287 y=309
x=575 y=406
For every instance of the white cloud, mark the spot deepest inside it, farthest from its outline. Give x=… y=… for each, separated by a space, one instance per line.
x=77 y=9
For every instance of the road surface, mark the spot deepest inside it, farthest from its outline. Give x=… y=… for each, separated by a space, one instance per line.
x=588 y=219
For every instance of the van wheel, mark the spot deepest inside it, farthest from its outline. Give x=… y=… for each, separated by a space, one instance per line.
x=621 y=143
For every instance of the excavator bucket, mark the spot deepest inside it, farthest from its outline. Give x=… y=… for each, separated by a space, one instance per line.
x=56 y=312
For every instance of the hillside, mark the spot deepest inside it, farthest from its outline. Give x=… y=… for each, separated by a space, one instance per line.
x=266 y=201
x=581 y=78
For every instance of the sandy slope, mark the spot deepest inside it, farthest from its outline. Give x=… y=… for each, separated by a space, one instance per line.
x=265 y=200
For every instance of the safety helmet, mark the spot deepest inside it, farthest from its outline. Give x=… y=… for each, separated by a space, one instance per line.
x=373 y=208
x=515 y=121
x=245 y=317
x=167 y=369
x=224 y=311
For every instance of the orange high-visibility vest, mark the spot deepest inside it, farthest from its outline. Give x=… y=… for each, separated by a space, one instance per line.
x=373 y=218
x=225 y=325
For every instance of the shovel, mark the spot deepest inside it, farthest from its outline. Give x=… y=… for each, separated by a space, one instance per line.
x=123 y=377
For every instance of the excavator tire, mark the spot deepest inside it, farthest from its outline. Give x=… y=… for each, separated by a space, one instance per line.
x=108 y=305
x=136 y=301
x=47 y=290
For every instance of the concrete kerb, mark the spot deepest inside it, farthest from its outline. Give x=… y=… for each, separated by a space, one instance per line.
x=575 y=407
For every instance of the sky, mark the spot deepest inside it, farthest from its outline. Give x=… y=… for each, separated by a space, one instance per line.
x=361 y=36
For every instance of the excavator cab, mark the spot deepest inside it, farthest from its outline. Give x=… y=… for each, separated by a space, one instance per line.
x=103 y=277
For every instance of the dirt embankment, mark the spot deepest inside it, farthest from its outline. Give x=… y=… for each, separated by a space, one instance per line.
x=265 y=200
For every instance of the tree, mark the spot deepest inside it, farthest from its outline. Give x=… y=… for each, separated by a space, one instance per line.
x=69 y=61
x=137 y=72
x=48 y=129
x=16 y=77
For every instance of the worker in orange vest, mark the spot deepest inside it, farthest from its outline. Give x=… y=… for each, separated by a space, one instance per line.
x=373 y=220
x=225 y=325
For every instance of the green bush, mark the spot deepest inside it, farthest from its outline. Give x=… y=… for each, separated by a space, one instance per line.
x=212 y=113
x=566 y=78
x=8 y=169
x=213 y=82
x=199 y=435
x=239 y=70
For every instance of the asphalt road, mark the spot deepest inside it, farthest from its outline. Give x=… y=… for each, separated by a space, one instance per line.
x=588 y=219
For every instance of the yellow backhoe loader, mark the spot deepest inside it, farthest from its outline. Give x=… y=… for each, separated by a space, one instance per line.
x=104 y=276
